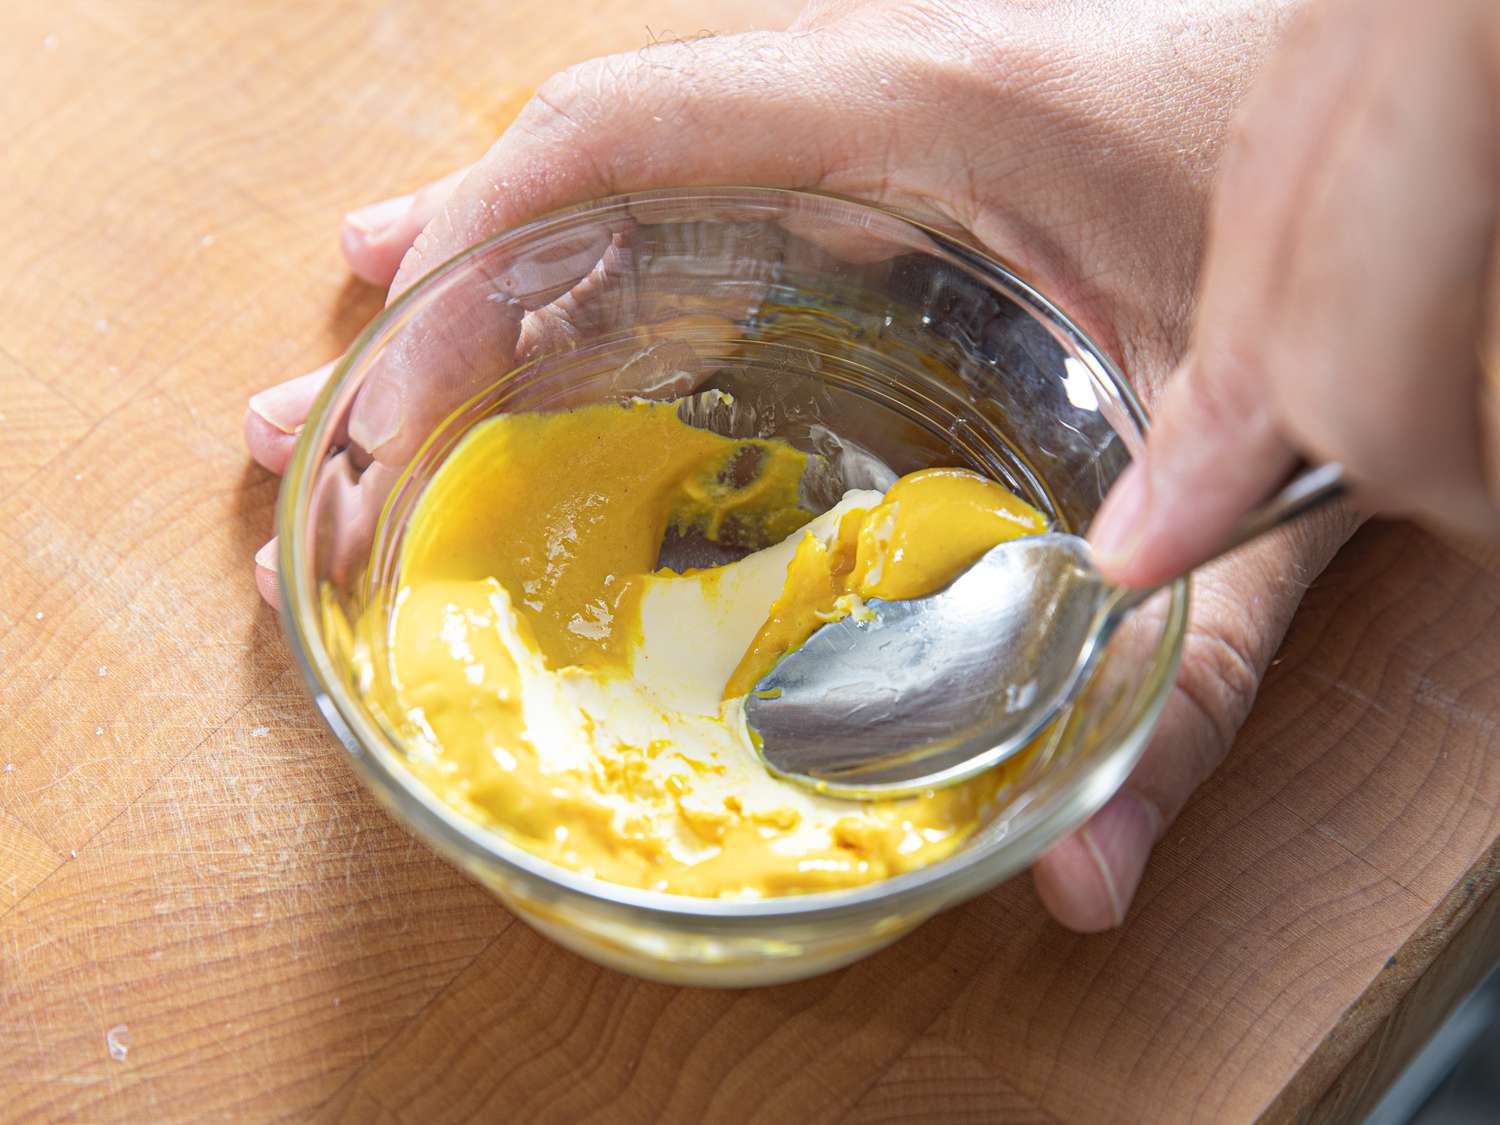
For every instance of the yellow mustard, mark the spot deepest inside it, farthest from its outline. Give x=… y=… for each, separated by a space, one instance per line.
x=551 y=684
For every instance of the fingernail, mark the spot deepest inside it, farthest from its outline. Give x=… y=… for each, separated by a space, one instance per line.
x=265 y=558
x=377 y=416
x=1118 y=528
x=375 y=218
x=1120 y=838
x=283 y=406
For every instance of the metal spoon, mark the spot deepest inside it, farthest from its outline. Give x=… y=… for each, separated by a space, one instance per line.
x=936 y=689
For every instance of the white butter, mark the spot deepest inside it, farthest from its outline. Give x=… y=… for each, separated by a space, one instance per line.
x=694 y=631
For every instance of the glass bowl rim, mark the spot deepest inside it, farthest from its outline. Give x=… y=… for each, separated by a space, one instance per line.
x=375 y=759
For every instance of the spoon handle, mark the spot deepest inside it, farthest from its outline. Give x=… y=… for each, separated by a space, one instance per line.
x=1309 y=489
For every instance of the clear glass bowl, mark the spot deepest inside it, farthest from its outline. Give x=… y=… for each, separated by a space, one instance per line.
x=853 y=333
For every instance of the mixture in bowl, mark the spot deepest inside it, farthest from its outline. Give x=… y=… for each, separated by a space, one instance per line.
x=550 y=681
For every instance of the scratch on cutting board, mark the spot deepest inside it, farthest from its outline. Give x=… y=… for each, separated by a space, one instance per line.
x=1432 y=692
x=186 y=834
x=1349 y=690
x=350 y=863
x=59 y=780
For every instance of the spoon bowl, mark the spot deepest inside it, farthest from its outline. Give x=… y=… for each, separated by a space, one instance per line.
x=917 y=694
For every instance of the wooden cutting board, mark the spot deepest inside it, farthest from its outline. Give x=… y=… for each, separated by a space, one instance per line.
x=188 y=868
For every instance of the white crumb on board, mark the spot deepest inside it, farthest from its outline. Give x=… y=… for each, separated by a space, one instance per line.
x=40 y=615
x=260 y=732
x=103 y=671
x=115 y=1039
x=10 y=767
x=98 y=732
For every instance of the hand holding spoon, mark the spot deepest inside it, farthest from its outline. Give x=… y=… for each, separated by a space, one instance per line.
x=933 y=690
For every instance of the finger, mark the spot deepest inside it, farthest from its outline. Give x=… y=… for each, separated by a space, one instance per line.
x=346 y=505
x=1155 y=523
x=1339 y=325
x=274 y=417
x=444 y=353
x=376 y=237
x=1213 y=453
x=266 y=580
x=347 y=500
x=604 y=298
x=1372 y=355
x=668 y=339
x=454 y=343
x=1088 y=879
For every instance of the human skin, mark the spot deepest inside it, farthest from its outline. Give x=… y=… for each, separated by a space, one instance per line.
x=1078 y=142
x=1350 y=305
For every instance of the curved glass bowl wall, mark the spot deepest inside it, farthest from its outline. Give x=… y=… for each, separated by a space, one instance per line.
x=879 y=345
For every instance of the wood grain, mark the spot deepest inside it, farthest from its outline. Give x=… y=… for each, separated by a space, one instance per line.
x=184 y=854
x=1456 y=961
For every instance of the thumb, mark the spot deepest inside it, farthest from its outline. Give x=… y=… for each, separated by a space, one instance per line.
x=1086 y=881
x=1214 y=453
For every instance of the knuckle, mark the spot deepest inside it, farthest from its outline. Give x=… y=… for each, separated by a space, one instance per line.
x=1221 y=673
x=581 y=99
x=576 y=115
x=555 y=109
